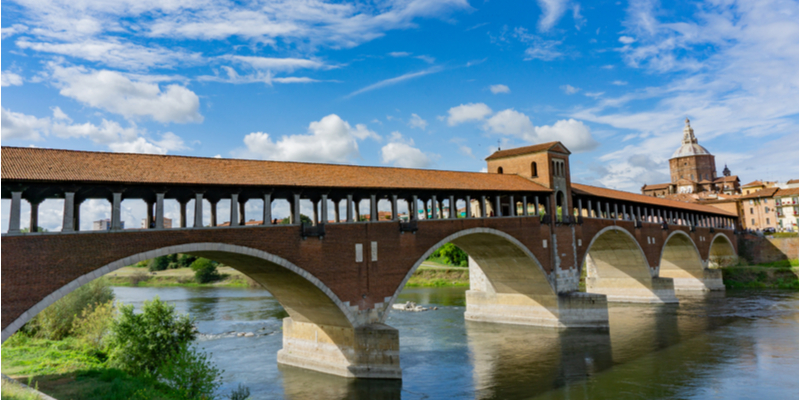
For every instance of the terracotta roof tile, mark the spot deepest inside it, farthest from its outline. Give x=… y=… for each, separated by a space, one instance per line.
x=657 y=186
x=525 y=150
x=786 y=192
x=52 y=165
x=638 y=198
x=754 y=183
x=791 y=181
x=731 y=178
x=767 y=192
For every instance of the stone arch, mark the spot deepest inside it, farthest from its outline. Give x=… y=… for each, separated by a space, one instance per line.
x=680 y=260
x=617 y=267
x=507 y=263
x=721 y=252
x=304 y=297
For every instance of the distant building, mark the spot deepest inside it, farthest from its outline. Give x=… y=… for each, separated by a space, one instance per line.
x=167 y=223
x=786 y=205
x=105 y=225
x=693 y=171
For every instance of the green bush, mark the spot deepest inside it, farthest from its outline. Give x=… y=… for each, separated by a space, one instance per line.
x=201 y=263
x=55 y=322
x=207 y=274
x=159 y=264
x=186 y=260
x=140 y=343
x=93 y=324
x=191 y=374
x=451 y=254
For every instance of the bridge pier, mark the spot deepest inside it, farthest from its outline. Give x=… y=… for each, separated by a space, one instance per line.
x=632 y=290
x=368 y=351
x=540 y=307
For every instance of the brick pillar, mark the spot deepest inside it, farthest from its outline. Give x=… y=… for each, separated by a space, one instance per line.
x=414 y=206
x=67 y=223
x=296 y=209
x=349 y=213
x=373 y=208
x=198 y=210
x=468 y=211
x=182 y=204
x=453 y=208
x=116 y=210
x=34 y=215
x=394 y=207
x=434 y=204
x=234 y=209
x=242 y=217
x=483 y=207
x=267 y=211
x=160 y=210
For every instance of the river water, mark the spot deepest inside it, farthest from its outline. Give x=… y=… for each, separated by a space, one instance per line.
x=733 y=345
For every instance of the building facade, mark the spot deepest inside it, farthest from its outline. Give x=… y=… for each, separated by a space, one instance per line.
x=693 y=170
x=787 y=209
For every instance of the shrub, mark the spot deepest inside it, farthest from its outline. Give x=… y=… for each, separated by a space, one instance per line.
x=93 y=324
x=158 y=264
x=242 y=392
x=186 y=260
x=452 y=254
x=55 y=321
x=139 y=343
x=201 y=263
x=190 y=373
x=208 y=273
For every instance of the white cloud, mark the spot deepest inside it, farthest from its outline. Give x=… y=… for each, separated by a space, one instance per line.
x=278 y=64
x=626 y=39
x=552 y=10
x=8 y=78
x=114 y=52
x=417 y=122
x=400 y=152
x=619 y=83
x=13 y=30
x=499 y=89
x=399 y=54
x=395 y=80
x=116 y=93
x=467 y=112
x=110 y=133
x=569 y=89
x=330 y=139
x=427 y=59
x=538 y=47
x=574 y=134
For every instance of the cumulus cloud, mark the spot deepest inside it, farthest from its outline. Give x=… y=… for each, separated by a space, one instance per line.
x=330 y=139
x=8 y=78
x=552 y=10
x=114 y=92
x=110 y=133
x=499 y=89
x=417 y=122
x=400 y=152
x=467 y=112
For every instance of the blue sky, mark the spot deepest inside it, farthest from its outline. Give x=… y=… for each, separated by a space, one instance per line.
x=428 y=84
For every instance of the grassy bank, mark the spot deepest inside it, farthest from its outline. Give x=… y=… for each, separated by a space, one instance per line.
x=66 y=369
x=429 y=274
x=775 y=275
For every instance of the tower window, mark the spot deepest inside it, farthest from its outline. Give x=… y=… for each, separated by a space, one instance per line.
x=499 y=170
x=534 y=170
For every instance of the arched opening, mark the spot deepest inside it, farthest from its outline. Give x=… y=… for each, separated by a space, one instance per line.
x=560 y=204
x=507 y=282
x=534 y=170
x=721 y=253
x=680 y=260
x=499 y=170
x=615 y=265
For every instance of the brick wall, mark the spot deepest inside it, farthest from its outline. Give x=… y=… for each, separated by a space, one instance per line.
x=759 y=249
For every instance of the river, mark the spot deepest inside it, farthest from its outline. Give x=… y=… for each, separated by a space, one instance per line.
x=733 y=345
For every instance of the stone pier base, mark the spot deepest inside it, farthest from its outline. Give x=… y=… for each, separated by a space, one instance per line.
x=710 y=280
x=630 y=290
x=567 y=310
x=370 y=351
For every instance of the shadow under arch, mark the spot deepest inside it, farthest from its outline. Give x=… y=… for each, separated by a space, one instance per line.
x=508 y=285
x=302 y=295
x=681 y=261
x=721 y=252
x=616 y=266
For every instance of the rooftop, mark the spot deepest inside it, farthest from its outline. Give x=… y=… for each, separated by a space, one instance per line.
x=527 y=150
x=639 y=198
x=50 y=165
x=689 y=146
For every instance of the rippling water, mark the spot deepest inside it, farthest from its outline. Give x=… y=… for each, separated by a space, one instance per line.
x=738 y=344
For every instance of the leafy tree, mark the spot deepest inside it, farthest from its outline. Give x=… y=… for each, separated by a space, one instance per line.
x=207 y=273
x=92 y=325
x=55 y=321
x=173 y=261
x=191 y=374
x=201 y=263
x=303 y=219
x=140 y=343
x=158 y=264
x=452 y=254
x=186 y=260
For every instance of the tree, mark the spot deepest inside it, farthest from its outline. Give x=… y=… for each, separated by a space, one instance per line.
x=452 y=254
x=158 y=263
x=140 y=343
x=186 y=260
x=191 y=373
x=207 y=274
x=55 y=321
x=303 y=219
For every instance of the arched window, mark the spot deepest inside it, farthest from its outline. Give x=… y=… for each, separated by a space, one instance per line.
x=534 y=171
x=499 y=170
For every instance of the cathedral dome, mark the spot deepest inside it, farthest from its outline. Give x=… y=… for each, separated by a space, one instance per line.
x=689 y=146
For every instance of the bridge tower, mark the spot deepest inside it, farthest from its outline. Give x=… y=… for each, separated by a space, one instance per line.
x=546 y=164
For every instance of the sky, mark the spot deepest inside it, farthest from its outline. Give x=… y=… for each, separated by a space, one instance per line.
x=437 y=84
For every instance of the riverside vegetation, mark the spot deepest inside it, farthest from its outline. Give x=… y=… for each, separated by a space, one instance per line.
x=85 y=346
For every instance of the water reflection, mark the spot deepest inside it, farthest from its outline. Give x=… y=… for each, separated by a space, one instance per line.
x=706 y=346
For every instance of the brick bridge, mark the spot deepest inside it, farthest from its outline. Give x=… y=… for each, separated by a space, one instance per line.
x=529 y=231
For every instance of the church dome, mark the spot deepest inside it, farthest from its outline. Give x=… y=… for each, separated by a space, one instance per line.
x=689 y=146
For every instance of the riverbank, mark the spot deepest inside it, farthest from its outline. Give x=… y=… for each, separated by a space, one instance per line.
x=775 y=275
x=429 y=274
